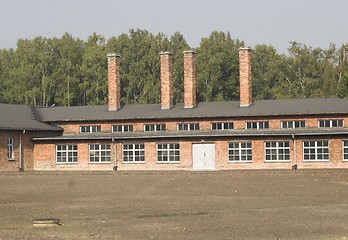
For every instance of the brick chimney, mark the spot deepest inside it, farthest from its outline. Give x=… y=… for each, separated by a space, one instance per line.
x=245 y=92
x=189 y=79
x=114 y=82
x=166 y=80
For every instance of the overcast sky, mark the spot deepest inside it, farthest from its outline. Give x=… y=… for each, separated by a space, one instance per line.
x=316 y=23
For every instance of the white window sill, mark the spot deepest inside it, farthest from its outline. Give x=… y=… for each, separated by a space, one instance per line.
x=134 y=162
x=99 y=162
x=168 y=162
x=277 y=161
x=11 y=159
x=66 y=163
x=316 y=160
x=236 y=162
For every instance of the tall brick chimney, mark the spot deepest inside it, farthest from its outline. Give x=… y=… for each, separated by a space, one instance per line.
x=114 y=82
x=245 y=93
x=166 y=80
x=189 y=79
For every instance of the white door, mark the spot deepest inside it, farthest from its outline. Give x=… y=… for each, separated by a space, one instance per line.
x=203 y=156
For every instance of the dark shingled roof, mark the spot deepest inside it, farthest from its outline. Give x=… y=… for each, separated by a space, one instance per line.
x=288 y=133
x=204 y=109
x=20 y=117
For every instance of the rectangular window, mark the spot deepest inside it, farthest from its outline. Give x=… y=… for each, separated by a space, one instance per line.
x=330 y=123
x=345 y=150
x=257 y=125
x=239 y=152
x=10 y=148
x=99 y=153
x=277 y=151
x=154 y=127
x=90 y=129
x=122 y=128
x=66 y=153
x=168 y=152
x=316 y=151
x=188 y=126
x=293 y=124
x=133 y=152
x=221 y=125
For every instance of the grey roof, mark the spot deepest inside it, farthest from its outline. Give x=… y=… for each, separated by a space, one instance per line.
x=20 y=117
x=204 y=109
x=288 y=133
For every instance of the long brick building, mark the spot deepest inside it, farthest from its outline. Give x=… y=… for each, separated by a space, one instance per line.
x=245 y=134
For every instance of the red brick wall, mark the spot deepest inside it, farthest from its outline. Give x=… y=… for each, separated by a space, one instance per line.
x=27 y=151
x=245 y=77
x=45 y=158
x=166 y=80
x=114 y=82
x=189 y=79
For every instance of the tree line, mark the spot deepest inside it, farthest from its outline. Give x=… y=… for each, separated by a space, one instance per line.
x=68 y=71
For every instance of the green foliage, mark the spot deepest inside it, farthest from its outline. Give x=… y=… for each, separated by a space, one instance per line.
x=68 y=71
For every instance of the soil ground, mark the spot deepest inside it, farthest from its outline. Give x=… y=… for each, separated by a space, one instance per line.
x=263 y=204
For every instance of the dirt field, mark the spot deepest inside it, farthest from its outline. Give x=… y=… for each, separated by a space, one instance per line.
x=311 y=204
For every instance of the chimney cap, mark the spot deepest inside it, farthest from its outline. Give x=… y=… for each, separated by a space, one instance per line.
x=189 y=51
x=244 y=49
x=165 y=53
x=113 y=55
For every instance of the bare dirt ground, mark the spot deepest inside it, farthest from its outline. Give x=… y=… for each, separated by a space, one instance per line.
x=279 y=204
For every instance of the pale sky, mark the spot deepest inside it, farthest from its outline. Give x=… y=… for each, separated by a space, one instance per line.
x=316 y=23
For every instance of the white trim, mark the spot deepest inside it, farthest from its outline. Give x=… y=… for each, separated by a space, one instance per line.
x=277 y=148
x=240 y=149
x=315 y=147
x=67 y=151
x=10 y=149
x=167 y=151
x=331 y=121
x=133 y=150
x=343 y=147
x=100 y=152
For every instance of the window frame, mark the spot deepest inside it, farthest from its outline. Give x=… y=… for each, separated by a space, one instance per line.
x=294 y=123
x=338 y=122
x=344 y=147
x=242 y=151
x=10 y=149
x=168 y=153
x=136 y=152
x=224 y=125
x=66 y=151
x=315 y=148
x=99 y=153
x=123 y=128
x=91 y=128
x=277 y=151
x=154 y=127
x=257 y=125
x=188 y=127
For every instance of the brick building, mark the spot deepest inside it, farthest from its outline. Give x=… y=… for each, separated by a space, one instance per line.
x=245 y=134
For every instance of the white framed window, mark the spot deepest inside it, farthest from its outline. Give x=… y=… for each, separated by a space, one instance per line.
x=10 y=148
x=154 y=127
x=277 y=151
x=99 y=153
x=90 y=129
x=257 y=125
x=316 y=151
x=66 y=153
x=221 y=125
x=239 y=152
x=345 y=150
x=188 y=126
x=293 y=124
x=122 y=128
x=168 y=152
x=330 y=123
x=133 y=153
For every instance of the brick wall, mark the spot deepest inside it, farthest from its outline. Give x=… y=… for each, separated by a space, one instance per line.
x=166 y=80
x=189 y=79
x=114 y=82
x=26 y=151
x=245 y=77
